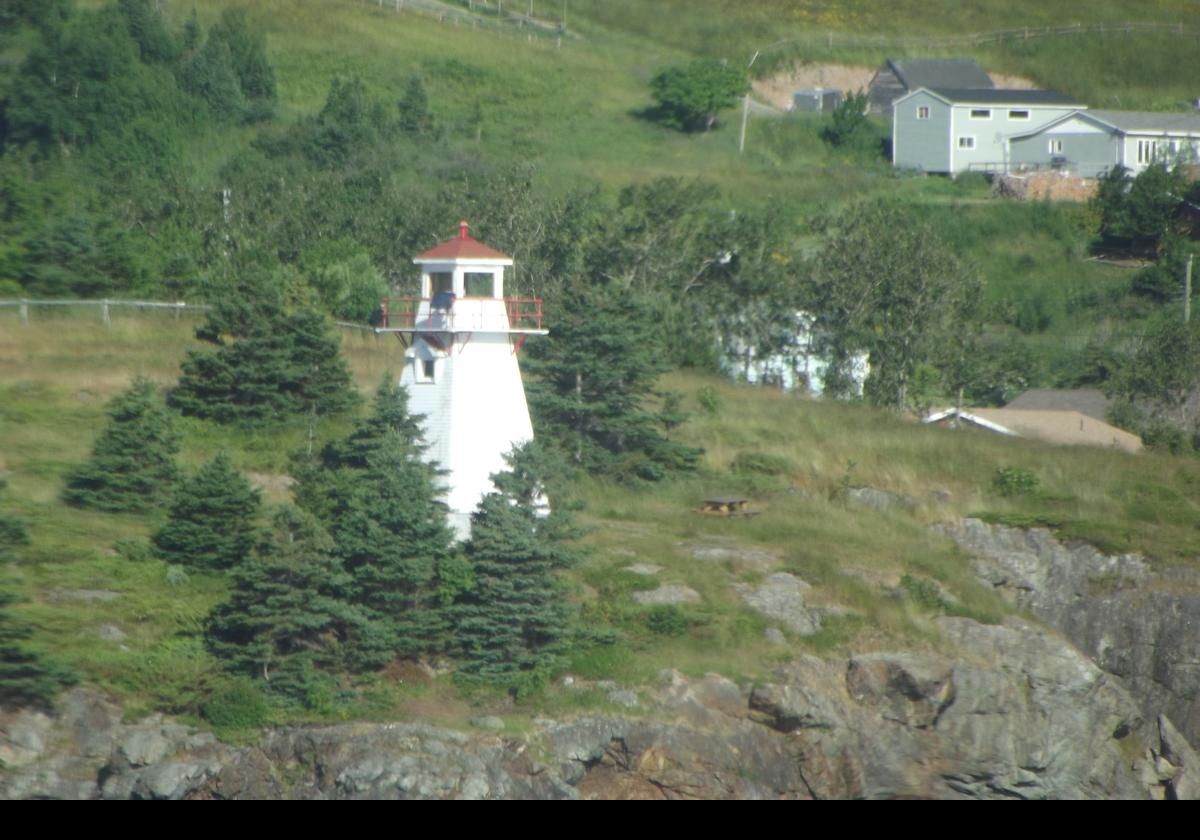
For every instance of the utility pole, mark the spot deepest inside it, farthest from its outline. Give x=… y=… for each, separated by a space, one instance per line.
x=745 y=116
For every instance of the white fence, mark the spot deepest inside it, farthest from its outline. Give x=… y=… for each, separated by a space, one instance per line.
x=105 y=306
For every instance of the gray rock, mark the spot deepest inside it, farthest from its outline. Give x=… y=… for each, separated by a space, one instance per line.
x=672 y=593
x=781 y=597
x=111 y=633
x=145 y=746
x=881 y=500
x=740 y=558
x=489 y=722
x=644 y=569
x=102 y=596
x=171 y=780
x=789 y=707
x=774 y=636
x=1139 y=625
x=913 y=690
x=623 y=697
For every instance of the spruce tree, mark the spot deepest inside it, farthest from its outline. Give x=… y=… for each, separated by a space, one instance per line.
x=210 y=524
x=378 y=497
x=268 y=367
x=26 y=677
x=593 y=391
x=285 y=616
x=512 y=624
x=132 y=468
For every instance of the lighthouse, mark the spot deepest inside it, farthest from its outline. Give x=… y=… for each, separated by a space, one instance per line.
x=460 y=366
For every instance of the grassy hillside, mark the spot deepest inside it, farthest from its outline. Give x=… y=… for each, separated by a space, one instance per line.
x=570 y=109
x=85 y=573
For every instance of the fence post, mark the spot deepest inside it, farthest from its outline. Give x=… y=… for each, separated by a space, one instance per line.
x=24 y=310
x=104 y=313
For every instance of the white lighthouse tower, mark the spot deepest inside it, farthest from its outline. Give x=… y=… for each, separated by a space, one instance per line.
x=460 y=367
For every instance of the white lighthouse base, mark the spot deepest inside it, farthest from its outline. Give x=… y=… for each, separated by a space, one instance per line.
x=468 y=388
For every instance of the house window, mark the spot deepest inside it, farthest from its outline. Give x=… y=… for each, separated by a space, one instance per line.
x=966 y=142
x=981 y=113
x=1018 y=115
x=1055 y=146
x=922 y=112
x=1146 y=151
x=440 y=281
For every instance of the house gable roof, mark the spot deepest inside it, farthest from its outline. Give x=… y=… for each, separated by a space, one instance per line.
x=1014 y=96
x=1138 y=122
x=939 y=72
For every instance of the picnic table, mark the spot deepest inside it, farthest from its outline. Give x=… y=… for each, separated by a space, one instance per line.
x=725 y=506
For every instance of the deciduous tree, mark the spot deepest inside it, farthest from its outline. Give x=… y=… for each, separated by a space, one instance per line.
x=690 y=96
x=888 y=285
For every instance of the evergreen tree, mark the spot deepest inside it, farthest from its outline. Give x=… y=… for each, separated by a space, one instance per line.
x=268 y=367
x=513 y=622
x=12 y=531
x=210 y=75
x=248 y=48
x=211 y=520
x=132 y=468
x=285 y=617
x=26 y=678
x=593 y=391
x=377 y=496
x=415 y=117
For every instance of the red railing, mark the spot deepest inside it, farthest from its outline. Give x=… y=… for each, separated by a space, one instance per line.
x=523 y=313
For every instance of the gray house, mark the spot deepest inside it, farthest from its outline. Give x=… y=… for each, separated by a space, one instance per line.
x=951 y=130
x=1088 y=143
x=899 y=76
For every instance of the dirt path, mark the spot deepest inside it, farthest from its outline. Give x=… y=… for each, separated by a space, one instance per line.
x=778 y=89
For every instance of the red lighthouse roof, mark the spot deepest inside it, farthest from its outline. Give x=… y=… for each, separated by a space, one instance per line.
x=460 y=248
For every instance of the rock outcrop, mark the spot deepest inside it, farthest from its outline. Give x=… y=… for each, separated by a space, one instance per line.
x=1014 y=712
x=1141 y=625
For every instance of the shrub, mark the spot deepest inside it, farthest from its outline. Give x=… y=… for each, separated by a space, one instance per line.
x=760 y=463
x=1015 y=481
x=236 y=704
x=666 y=620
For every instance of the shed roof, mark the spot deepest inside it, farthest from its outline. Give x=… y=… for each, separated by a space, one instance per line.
x=462 y=247
x=1007 y=96
x=1062 y=427
x=939 y=72
x=1089 y=401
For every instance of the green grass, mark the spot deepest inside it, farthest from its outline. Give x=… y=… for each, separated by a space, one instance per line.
x=55 y=375
x=571 y=111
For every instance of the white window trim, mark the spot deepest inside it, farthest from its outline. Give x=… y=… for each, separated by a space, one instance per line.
x=1055 y=147
x=922 y=112
x=983 y=114
x=966 y=142
x=1021 y=114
